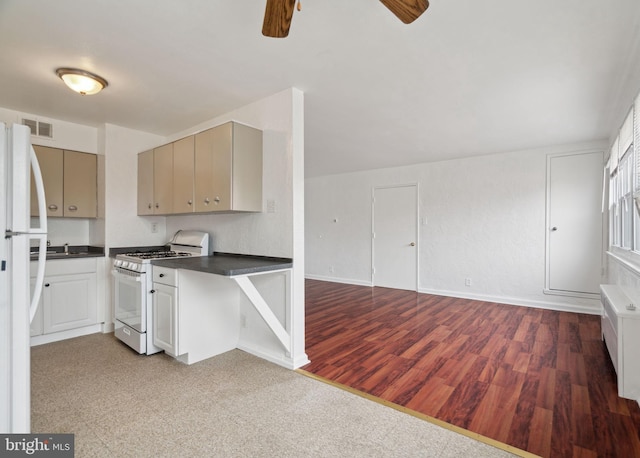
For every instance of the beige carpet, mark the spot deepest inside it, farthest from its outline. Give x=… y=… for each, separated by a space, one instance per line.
x=118 y=404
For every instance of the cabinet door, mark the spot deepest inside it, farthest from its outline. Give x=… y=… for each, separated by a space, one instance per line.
x=80 y=185
x=213 y=167
x=145 y=183
x=247 y=169
x=183 y=162
x=163 y=179
x=165 y=318
x=69 y=301
x=52 y=167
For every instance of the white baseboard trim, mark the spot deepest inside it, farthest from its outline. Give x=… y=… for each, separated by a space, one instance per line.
x=338 y=280
x=594 y=309
x=276 y=358
x=548 y=305
x=63 y=335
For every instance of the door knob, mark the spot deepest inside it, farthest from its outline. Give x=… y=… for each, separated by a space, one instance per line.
x=554 y=228
x=412 y=244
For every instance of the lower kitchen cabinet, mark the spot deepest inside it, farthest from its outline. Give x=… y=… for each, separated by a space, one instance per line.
x=69 y=301
x=195 y=314
x=165 y=311
x=69 y=296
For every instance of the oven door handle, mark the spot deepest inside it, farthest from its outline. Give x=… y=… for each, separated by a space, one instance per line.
x=126 y=277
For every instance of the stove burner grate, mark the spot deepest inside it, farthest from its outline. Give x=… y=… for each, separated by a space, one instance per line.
x=158 y=254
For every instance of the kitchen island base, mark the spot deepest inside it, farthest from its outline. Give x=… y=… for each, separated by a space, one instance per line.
x=226 y=301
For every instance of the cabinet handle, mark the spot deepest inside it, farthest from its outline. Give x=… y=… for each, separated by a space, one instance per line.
x=217 y=200
x=161 y=275
x=189 y=202
x=152 y=291
x=150 y=206
x=206 y=201
x=73 y=208
x=157 y=205
x=53 y=207
x=46 y=285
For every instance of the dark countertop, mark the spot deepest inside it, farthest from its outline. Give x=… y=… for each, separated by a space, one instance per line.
x=75 y=252
x=226 y=264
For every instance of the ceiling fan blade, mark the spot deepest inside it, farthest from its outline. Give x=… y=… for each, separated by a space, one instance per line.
x=277 y=18
x=407 y=10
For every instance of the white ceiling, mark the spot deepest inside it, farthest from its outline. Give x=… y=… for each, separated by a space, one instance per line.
x=469 y=77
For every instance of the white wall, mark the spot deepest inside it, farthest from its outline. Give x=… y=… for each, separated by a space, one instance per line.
x=485 y=220
x=123 y=227
x=66 y=135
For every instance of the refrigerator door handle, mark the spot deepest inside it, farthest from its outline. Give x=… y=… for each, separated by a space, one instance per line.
x=38 y=233
x=42 y=203
x=37 y=291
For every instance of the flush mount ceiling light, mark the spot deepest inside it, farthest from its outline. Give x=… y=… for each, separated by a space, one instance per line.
x=81 y=81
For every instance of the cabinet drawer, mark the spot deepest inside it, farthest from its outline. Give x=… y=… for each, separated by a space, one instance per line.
x=165 y=275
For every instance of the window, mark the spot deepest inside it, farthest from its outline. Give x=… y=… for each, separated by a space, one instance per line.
x=624 y=186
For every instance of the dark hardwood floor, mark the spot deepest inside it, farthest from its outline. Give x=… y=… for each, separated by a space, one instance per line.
x=535 y=379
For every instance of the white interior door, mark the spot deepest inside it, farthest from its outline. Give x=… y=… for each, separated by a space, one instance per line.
x=395 y=244
x=574 y=223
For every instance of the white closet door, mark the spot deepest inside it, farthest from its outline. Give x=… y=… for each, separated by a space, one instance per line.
x=395 y=247
x=574 y=223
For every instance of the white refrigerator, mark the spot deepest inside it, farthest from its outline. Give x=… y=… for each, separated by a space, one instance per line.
x=17 y=303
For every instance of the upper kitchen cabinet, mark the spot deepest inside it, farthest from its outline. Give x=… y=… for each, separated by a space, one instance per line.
x=217 y=170
x=70 y=183
x=52 y=168
x=80 y=188
x=183 y=170
x=155 y=181
x=145 y=183
x=228 y=169
x=163 y=179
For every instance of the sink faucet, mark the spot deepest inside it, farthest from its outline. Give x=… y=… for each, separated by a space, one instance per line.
x=66 y=248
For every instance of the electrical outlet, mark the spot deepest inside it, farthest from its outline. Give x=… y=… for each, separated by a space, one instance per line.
x=467 y=282
x=243 y=320
x=154 y=227
x=330 y=269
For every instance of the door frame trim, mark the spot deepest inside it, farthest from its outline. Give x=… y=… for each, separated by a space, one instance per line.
x=416 y=187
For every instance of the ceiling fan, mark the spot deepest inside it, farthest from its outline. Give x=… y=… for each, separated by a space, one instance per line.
x=278 y=14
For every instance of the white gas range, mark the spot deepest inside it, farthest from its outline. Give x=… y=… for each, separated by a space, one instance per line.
x=132 y=274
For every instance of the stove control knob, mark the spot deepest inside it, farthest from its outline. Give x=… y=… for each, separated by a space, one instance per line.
x=117 y=263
